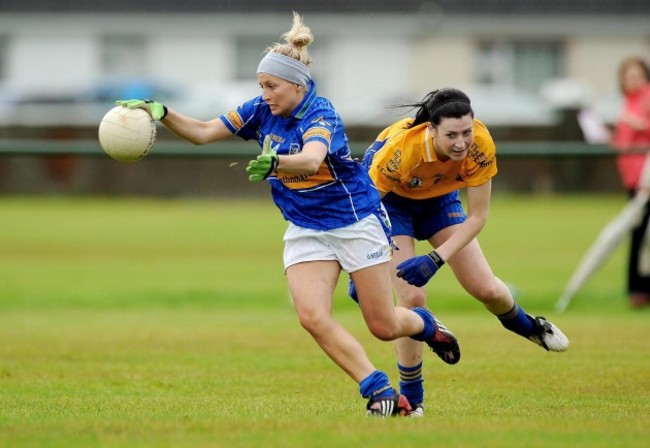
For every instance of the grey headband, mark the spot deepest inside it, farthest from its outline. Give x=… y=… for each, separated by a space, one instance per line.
x=285 y=67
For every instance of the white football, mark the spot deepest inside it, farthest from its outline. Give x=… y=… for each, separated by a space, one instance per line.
x=127 y=134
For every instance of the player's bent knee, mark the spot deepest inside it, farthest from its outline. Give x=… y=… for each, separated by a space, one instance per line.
x=489 y=293
x=383 y=331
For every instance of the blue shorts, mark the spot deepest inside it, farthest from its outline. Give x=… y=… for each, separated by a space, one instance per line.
x=423 y=218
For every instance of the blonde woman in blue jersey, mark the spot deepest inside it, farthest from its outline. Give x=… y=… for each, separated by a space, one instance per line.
x=418 y=165
x=334 y=213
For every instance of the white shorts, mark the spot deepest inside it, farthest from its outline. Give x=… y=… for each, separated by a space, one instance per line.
x=355 y=247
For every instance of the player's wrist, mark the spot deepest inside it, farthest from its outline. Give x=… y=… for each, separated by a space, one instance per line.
x=158 y=110
x=436 y=258
x=274 y=165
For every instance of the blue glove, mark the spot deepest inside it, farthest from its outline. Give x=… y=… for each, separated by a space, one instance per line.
x=417 y=271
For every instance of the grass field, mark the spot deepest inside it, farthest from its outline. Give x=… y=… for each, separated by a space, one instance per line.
x=166 y=323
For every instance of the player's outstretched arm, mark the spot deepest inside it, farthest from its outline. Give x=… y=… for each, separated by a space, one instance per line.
x=195 y=131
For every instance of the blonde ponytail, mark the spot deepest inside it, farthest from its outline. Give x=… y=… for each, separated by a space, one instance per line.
x=297 y=39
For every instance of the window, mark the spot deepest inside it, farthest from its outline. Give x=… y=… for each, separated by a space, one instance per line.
x=524 y=65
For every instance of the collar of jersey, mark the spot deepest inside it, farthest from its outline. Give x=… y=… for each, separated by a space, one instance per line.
x=428 y=150
x=306 y=102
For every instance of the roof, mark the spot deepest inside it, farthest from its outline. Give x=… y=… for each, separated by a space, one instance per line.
x=451 y=7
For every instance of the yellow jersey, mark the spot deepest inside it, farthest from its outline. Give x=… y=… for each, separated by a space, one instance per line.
x=405 y=162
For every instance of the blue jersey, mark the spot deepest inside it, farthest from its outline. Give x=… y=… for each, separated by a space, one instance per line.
x=340 y=193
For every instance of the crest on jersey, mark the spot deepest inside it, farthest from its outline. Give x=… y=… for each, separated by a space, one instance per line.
x=393 y=164
x=415 y=182
x=295 y=148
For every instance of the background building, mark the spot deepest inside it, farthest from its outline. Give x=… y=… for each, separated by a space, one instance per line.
x=528 y=66
x=520 y=60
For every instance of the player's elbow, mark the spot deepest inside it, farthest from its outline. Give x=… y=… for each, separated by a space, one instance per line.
x=194 y=138
x=477 y=221
x=312 y=167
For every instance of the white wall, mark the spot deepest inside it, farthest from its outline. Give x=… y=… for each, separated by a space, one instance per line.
x=441 y=61
x=51 y=61
x=363 y=63
x=364 y=74
x=192 y=59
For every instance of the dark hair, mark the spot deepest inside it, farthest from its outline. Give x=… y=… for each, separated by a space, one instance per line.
x=439 y=104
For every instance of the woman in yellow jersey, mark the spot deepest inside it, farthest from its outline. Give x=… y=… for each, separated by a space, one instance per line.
x=418 y=165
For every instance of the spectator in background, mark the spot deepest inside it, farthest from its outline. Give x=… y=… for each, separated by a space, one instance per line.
x=632 y=140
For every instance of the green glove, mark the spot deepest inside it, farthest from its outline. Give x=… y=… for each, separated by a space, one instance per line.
x=264 y=164
x=157 y=110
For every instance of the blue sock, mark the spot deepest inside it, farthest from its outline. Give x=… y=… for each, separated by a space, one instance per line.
x=429 y=327
x=518 y=321
x=411 y=383
x=376 y=385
